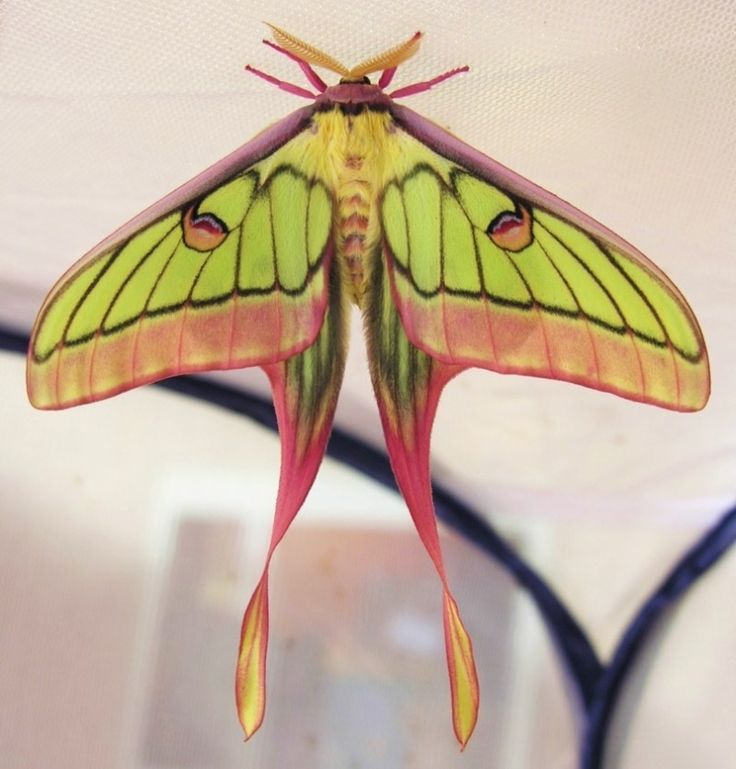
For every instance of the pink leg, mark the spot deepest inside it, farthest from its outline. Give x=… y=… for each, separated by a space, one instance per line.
x=410 y=90
x=282 y=84
x=386 y=77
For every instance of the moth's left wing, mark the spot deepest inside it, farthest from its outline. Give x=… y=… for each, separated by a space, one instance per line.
x=229 y=270
x=489 y=270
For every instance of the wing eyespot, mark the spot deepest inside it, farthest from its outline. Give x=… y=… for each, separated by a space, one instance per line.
x=512 y=230
x=202 y=231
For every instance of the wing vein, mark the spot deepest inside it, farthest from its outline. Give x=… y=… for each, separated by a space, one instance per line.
x=443 y=296
x=536 y=307
x=595 y=277
x=582 y=313
x=670 y=344
x=234 y=295
x=277 y=279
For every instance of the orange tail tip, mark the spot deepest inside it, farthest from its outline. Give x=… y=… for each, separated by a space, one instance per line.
x=250 y=677
x=463 y=677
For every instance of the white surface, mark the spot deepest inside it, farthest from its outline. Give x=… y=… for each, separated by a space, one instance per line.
x=627 y=110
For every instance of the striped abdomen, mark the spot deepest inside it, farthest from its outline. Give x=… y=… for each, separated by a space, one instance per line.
x=354 y=214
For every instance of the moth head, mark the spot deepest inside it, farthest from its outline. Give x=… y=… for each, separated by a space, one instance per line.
x=365 y=80
x=307 y=55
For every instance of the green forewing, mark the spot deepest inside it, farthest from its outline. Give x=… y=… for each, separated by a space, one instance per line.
x=233 y=277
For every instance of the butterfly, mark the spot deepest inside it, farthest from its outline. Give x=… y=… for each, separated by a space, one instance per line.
x=454 y=260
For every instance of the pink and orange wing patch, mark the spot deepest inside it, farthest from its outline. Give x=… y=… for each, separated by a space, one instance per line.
x=485 y=279
x=234 y=278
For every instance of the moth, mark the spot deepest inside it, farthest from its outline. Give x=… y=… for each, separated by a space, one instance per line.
x=454 y=260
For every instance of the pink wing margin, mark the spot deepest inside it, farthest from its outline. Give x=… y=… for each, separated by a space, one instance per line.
x=619 y=364
x=239 y=334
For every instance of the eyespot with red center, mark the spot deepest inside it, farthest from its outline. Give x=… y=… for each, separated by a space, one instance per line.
x=512 y=230
x=202 y=232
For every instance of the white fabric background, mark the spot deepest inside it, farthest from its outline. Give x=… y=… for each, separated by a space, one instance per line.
x=627 y=110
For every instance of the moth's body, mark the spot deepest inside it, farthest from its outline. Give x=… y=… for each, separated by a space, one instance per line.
x=354 y=147
x=352 y=141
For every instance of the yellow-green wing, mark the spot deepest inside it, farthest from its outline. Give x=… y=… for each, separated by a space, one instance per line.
x=230 y=270
x=489 y=270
